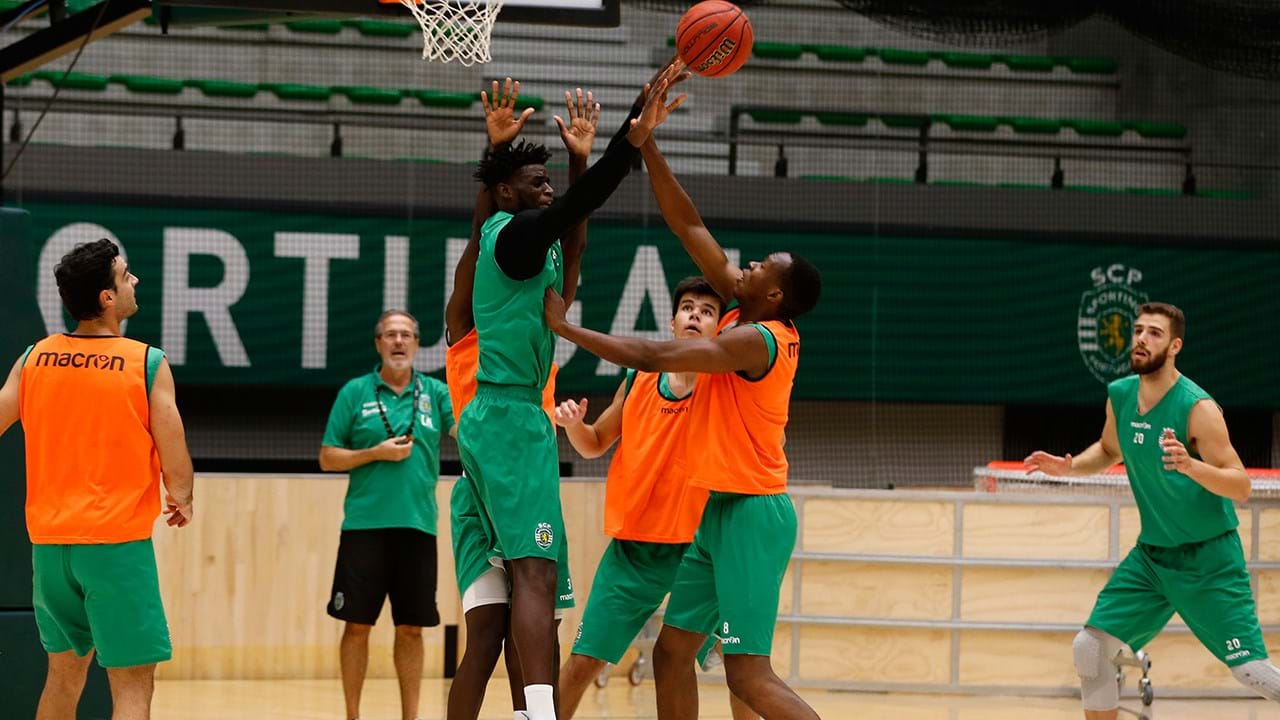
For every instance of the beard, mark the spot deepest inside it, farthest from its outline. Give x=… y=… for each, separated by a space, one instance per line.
x=1151 y=364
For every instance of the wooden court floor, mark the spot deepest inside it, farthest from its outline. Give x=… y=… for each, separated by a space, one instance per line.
x=322 y=700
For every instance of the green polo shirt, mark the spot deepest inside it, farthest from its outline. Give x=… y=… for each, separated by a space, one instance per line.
x=391 y=494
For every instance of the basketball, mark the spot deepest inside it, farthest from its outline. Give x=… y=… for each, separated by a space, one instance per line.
x=714 y=38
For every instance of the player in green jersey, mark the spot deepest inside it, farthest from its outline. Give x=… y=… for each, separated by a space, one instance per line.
x=1185 y=474
x=507 y=443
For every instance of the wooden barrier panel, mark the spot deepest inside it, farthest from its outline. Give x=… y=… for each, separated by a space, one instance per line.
x=846 y=589
x=878 y=527
x=861 y=654
x=1060 y=532
x=1032 y=595
x=1025 y=659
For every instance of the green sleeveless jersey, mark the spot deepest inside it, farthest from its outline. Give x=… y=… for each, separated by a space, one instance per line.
x=1175 y=509
x=516 y=347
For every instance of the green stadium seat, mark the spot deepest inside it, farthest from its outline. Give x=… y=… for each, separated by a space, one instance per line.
x=1169 y=131
x=1095 y=128
x=966 y=61
x=252 y=27
x=21 y=80
x=1033 y=126
x=893 y=56
x=148 y=84
x=1022 y=186
x=891 y=181
x=1155 y=192
x=1028 y=63
x=529 y=101
x=443 y=99
x=957 y=183
x=914 y=122
x=294 y=91
x=381 y=28
x=1224 y=194
x=776 y=117
x=1101 y=189
x=846 y=119
x=777 y=51
x=1090 y=66
x=224 y=88
x=323 y=27
x=73 y=81
x=424 y=161
x=369 y=95
x=969 y=123
x=828 y=178
x=837 y=53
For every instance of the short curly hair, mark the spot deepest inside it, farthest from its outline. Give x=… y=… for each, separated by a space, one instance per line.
x=83 y=274
x=499 y=165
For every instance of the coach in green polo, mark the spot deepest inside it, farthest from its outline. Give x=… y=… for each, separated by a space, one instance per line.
x=385 y=430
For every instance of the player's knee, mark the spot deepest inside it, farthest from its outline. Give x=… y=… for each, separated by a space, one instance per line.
x=1260 y=676
x=357 y=631
x=671 y=650
x=409 y=632
x=747 y=674
x=536 y=574
x=1094 y=653
x=581 y=667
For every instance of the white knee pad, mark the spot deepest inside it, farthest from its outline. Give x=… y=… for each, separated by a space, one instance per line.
x=490 y=588
x=1095 y=653
x=1260 y=676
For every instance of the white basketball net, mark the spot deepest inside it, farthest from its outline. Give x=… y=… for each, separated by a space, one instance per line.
x=455 y=29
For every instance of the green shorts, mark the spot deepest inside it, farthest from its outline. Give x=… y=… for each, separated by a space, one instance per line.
x=1205 y=582
x=473 y=545
x=508 y=449
x=729 y=580
x=631 y=581
x=104 y=597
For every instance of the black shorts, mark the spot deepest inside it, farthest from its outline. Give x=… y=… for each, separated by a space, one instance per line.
x=374 y=564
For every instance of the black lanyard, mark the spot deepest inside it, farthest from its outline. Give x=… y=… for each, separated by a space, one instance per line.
x=382 y=411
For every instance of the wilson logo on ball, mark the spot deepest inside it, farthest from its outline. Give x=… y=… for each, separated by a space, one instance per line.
x=718 y=56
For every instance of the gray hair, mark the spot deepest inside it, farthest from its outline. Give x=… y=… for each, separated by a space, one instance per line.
x=377 y=327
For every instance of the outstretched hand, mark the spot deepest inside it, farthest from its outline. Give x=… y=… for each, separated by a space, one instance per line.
x=553 y=310
x=580 y=132
x=499 y=113
x=1048 y=464
x=656 y=108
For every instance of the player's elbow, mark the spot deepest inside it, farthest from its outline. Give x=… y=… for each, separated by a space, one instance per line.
x=1244 y=491
x=327 y=460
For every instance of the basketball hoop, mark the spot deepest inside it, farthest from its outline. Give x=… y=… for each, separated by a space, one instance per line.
x=455 y=29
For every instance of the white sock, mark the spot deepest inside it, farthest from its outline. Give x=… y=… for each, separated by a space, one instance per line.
x=519 y=715
x=539 y=702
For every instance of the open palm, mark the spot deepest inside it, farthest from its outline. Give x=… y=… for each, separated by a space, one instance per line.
x=579 y=134
x=500 y=119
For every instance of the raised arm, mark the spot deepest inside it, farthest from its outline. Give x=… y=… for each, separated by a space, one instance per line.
x=686 y=223
x=458 y=317
x=171 y=443
x=578 y=136
x=522 y=245
x=1219 y=470
x=594 y=440
x=1096 y=458
x=9 y=397
x=741 y=349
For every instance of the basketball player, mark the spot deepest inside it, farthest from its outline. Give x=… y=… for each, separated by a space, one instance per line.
x=730 y=578
x=1184 y=473
x=483 y=587
x=93 y=486
x=507 y=444
x=650 y=510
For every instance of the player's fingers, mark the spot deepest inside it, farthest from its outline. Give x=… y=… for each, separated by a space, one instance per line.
x=677 y=102
x=581 y=105
x=484 y=103
x=524 y=116
x=559 y=123
x=595 y=116
x=515 y=93
x=568 y=102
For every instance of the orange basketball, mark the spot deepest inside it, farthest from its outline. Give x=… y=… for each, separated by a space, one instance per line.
x=714 y=38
